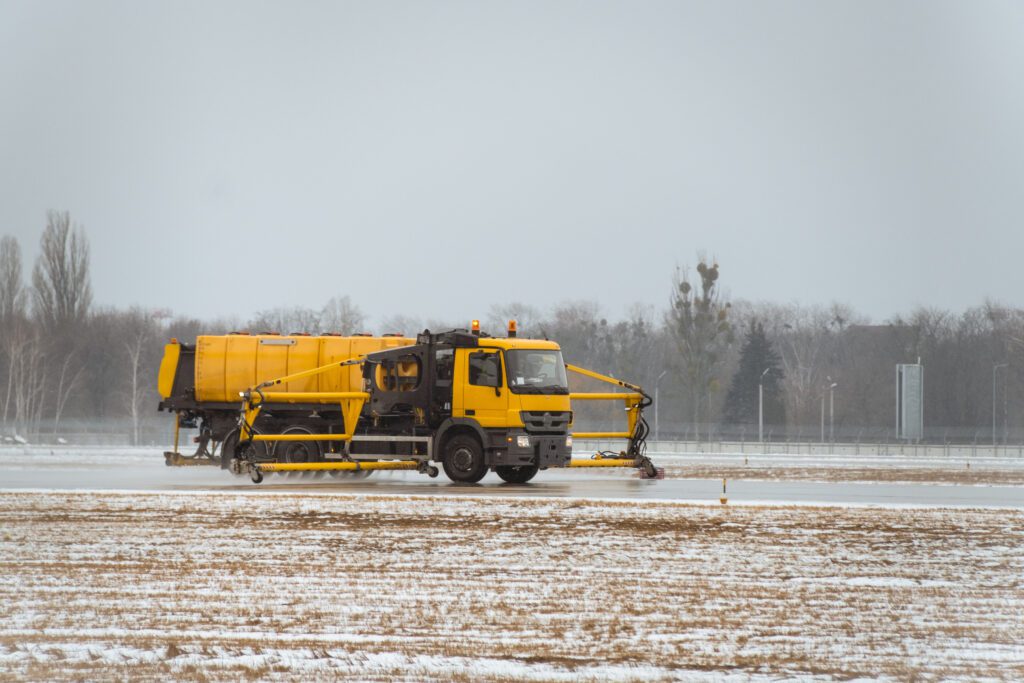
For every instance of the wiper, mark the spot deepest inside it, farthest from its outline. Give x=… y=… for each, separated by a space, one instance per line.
x=541 y=389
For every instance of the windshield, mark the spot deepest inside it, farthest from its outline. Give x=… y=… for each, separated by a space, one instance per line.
x=536 y=372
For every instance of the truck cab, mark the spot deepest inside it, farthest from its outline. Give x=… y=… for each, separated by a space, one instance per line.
x=517 y=392
x=497 y=404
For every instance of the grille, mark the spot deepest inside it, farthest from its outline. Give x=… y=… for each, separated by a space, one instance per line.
x=546 y=421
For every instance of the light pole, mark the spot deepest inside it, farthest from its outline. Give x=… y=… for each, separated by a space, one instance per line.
x=994 y=368
x=657 y=424
x=823 y=417
x=832 y=411
x=831 y=399
x=760 y=405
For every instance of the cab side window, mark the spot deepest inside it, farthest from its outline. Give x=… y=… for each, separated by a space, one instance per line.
x=485 y=369
x=445 y=364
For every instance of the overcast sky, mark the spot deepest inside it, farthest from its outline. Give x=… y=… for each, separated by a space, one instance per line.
x=434 y=158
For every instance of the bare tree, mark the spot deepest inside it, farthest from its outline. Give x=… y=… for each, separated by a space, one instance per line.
x=138 y=332
x=401 y=324
x=804 y=342
x=526 y=317
x=285 y=320
x=28 y=368
x=11 y=310
x=342 y=316
x=12 y=289
x=61 y=291
x=577 y=325
x=134 y=348
x=12 y=313
x=67 y=381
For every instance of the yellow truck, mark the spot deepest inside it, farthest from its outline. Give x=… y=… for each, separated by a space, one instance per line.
x=463 y=399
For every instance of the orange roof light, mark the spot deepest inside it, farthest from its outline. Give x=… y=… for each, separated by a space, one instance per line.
x=475 y=326
x=511 y=328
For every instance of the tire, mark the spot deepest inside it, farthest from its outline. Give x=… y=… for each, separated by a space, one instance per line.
x=230 y=445
x=227 y=449
x=464 y=460
x=517 y=474
x=297 y=451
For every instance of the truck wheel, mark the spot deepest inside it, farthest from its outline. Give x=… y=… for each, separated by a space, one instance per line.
x=298 y=451
x=229 y=447
x=517 y=474
x=464 y=459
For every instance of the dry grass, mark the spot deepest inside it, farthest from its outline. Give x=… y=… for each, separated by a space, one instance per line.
x=251 y=586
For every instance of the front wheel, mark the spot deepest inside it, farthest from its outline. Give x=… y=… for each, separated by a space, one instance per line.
x=517 y=474
x=464 y=459
x=230 y=447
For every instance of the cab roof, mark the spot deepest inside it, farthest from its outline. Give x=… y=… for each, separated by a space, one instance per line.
x=510 y=343
x=466 y=339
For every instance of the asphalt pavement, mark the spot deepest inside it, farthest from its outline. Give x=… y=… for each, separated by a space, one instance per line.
x=142 y=473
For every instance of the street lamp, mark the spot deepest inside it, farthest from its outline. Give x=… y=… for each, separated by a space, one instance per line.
x=831 y=412
x=657 y=425
x=994 y=368
x=823 y=417
x=760 y=405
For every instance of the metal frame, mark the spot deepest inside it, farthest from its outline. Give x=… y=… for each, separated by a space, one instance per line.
x=348 y=454
x=633 y=401
x=351 y=403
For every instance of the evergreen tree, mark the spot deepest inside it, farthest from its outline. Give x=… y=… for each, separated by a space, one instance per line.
x=756 y=355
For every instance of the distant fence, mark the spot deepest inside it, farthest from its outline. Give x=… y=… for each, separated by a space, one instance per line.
x=816 y=433
x=810 y=448
x=105 y=432
x=676 y=438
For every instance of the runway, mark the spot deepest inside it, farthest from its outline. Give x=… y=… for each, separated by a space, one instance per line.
x=141 y=469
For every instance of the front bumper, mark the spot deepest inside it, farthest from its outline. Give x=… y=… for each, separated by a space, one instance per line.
x=543 y=450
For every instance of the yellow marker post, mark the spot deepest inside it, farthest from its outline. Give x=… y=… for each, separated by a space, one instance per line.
x=723 y=500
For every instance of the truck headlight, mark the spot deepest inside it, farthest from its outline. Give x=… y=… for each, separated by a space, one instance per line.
x=568 y=441
x=523 y=441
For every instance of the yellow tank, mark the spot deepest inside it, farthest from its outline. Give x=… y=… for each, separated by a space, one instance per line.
x=227 y=365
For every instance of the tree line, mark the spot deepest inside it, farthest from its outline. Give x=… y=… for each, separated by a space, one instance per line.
x=716 y=365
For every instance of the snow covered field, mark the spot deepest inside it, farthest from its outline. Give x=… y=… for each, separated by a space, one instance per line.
x=260 y=584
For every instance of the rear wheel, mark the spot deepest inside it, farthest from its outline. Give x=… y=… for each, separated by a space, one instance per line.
x=298 y=451
x=517 y=474
x=464 y=459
